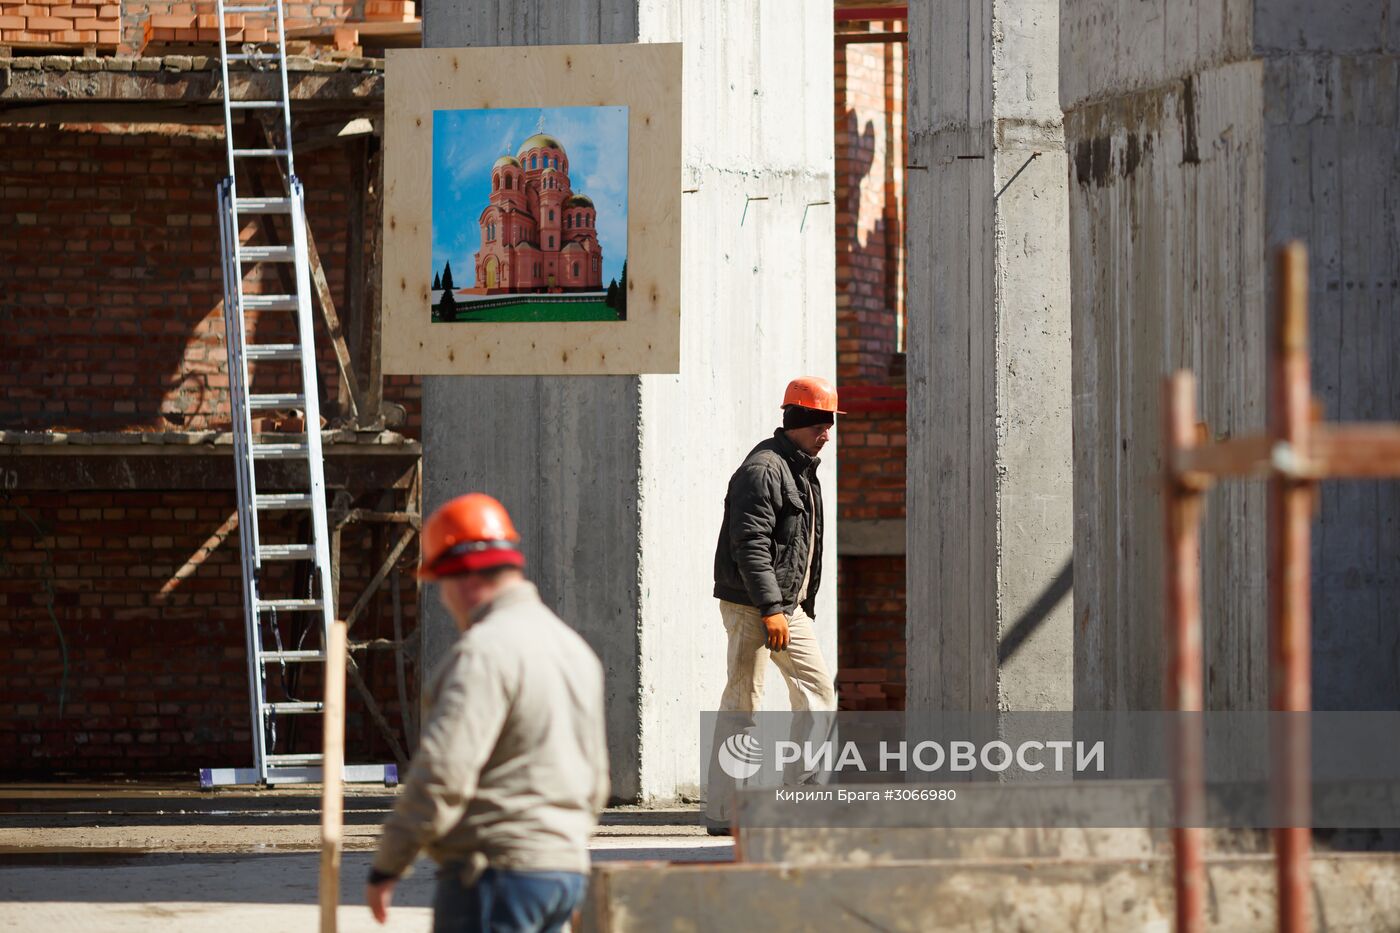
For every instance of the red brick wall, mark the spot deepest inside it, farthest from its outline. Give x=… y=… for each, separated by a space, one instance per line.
x=871 y=645
x=869 y=209
x=110 y=289
x=869 y=317
x=140 y=592
x=110 y=310
x=872 y=443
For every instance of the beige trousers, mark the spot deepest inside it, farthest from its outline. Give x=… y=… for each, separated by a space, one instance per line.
x=801 y=664
x=810 y=691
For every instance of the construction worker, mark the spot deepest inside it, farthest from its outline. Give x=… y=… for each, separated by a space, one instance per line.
x=511 y=767
x=768 y=566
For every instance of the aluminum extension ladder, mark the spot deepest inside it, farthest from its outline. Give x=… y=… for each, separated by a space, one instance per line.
x=260 y=610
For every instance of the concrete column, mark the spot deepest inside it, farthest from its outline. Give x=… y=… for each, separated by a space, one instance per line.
x=617 y=483
x=989 y=505
x=1201 y=137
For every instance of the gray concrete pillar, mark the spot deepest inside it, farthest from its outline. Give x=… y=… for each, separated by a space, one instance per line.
x=617 y=483
x=989 y=543
x=1201 y=137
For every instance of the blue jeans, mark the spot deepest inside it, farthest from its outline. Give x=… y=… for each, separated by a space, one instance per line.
x=506 y=901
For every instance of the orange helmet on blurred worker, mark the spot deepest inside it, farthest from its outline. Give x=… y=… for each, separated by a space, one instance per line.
x=468 y=534
x=811 y=392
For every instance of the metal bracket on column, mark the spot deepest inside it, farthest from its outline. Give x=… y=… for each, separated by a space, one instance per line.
x=1024 y=166
x=747 y=199
x=808 y=206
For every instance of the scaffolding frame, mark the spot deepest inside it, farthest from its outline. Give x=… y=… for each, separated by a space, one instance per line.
x=1298 y=450
x=377 y=473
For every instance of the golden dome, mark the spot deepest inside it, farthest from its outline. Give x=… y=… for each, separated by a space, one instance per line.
x=580 y=200
x=506 y=160
x=539 y=141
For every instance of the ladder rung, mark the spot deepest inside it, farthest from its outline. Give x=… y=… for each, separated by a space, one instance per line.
x=289 y=605
x=269 y=657
x=253 y=104
x=263 y=205
x=279 y=451
x=272 y=351
x=251 y=57
x=250 y=9
x=287 y=552
x=252 y=153
x=275 y=760
x=266 y=254
x=270 y=303
x=294 y=706
x=277 y=401
x=282 y=502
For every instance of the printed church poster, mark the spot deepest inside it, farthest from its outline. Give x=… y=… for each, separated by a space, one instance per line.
x=532 y=210
x=530 y=215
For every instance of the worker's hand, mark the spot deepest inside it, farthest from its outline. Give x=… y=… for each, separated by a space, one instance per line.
x=378 y=897
x=777 y=626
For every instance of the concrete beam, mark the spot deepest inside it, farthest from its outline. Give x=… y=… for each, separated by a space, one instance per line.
x=192 y=465
x=187 y=80
x=1049 y=896
x=989 y=497
x=879 y=537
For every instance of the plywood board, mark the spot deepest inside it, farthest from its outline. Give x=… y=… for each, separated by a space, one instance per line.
x=644 y=79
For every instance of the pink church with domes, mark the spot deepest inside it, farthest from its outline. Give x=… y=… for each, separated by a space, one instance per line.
x=537 y=235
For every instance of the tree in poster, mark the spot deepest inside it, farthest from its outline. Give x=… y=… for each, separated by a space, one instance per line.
x=622 y=294
x=437 y=282
x=446 y=308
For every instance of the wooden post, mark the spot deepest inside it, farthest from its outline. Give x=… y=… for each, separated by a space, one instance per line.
x=354 y=317
x=374 y=244
x=1290 y=517
x=1184 y=688
x=333 y=763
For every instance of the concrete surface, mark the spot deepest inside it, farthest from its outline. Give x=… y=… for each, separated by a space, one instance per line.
x=1201 y=137
x=1358 y=894
x=152 y=858
x=617 y=483
x=989 y=507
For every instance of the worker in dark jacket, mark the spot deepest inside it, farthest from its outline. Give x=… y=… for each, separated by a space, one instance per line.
x=768 y=564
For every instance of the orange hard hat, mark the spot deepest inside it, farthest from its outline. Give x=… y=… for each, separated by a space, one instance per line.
x=812 y=392
x=469 y=533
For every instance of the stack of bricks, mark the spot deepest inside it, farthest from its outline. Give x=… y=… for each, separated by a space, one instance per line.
x=60 y=24
x=189 y=28
x=389 y=11
x=187 y=23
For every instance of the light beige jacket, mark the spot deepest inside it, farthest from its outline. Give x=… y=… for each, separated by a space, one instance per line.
x=512 y=765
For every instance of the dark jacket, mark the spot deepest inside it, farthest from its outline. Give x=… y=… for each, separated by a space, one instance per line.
x=762 y=549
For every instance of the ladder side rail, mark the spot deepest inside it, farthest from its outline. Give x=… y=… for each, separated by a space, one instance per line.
x=228 y=111
x=286 y=92
x=248 y=483
x=310 y=383
x=247 y=512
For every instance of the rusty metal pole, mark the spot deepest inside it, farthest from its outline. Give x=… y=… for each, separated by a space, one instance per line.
x=1290 y=517
x=1183 y=498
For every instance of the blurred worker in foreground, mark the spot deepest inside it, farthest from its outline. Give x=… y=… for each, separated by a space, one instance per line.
x=768 y=566
x=511 y=767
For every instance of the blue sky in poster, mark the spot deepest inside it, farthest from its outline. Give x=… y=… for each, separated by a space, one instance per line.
x=467 y=142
